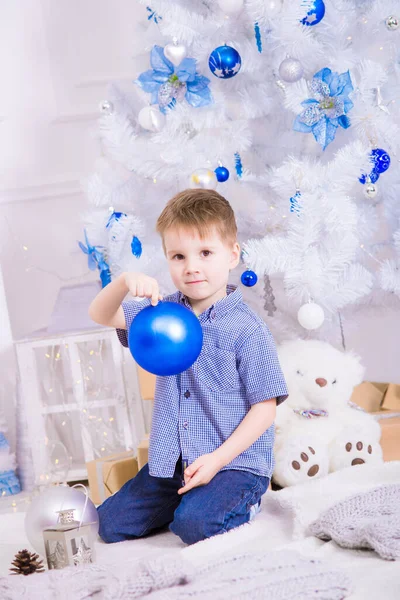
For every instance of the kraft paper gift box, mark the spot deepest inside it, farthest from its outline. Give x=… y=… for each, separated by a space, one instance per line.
x=382 y=400
x=107 y=475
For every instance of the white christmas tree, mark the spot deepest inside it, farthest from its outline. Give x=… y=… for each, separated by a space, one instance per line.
x=288 y=109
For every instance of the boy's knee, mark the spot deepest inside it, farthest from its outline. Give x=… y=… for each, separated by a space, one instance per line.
x=192 y=529
x=108 y=525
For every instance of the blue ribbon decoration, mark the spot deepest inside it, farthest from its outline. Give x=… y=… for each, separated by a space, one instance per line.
x=136 y=247
x=94 y=253
x=115 y=216
x=257 y=34
x=238 y=165
x=327 y=109
x=153 y=16
x=163 y=71
x=96 y=259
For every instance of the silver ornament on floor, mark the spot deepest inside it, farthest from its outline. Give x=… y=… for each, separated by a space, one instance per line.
x=203 y=178
x=106 y=107
x=231 y=7
x=175 y=52
x=392 y=23
x=151 y=118
x=291 y=70
x=370 y=190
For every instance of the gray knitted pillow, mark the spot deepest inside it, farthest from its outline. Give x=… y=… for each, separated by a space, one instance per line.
x=368 y=520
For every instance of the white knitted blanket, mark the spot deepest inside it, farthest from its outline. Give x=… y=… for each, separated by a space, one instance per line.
x=370 y=520
x=273 y=575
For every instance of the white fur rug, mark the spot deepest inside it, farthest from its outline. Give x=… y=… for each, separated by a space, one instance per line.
x=281 y=524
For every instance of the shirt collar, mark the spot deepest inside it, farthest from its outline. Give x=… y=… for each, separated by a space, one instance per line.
x=220 y=307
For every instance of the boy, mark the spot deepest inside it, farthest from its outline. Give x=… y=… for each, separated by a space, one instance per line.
x=210 y=455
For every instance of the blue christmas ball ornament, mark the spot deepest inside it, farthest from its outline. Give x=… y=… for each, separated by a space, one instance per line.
x=373 y=176
x=224 y=62
x=315 y=14
x=165 y=339
x=222 y=174
x=249 y=278
x=381 y=160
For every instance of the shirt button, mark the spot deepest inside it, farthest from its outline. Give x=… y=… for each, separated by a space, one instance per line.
x=213 y=314
x=187 y=394
x=185 y=424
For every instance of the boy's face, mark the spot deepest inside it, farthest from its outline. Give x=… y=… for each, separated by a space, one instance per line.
x=200 y=267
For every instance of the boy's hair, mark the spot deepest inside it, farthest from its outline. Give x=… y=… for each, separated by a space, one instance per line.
x=199 y=209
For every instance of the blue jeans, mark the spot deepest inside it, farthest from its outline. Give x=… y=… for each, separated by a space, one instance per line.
x=146 y=504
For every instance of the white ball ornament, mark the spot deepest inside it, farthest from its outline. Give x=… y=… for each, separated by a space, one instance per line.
x=231 y=7
x=175 y=52
x=151 y=118
x=370 y=190
x=203 y=178
x=291 y=70
x=310 y=316
x=392 y=23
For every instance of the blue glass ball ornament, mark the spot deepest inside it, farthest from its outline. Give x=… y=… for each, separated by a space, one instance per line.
x=373 y=176
x=224 y=62
x=222 y=174
x=249 y=278
x=315 y=14
x=165 y=339
x=381 y=160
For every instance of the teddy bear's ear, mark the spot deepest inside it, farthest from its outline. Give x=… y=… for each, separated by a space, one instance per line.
x=355 y=369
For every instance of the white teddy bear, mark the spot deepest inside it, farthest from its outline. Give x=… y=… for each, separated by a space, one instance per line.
x=317 y=430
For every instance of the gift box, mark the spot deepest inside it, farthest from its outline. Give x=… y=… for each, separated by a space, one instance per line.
x=143 y=452
x=383 y=401
x=108 y=474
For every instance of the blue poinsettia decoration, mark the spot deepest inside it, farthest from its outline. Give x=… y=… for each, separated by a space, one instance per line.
x=328 y=106
x=168 y=84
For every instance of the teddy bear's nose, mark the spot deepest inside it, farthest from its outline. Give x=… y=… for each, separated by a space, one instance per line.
x=321 y=382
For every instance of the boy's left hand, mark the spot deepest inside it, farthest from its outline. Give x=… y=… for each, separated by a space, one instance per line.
x=200 y=472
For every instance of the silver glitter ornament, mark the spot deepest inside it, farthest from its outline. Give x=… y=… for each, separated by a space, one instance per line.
x=269 y=304
x=370 y=190
x=291 y=70
x=175 y=52
x=173 y=89
x=106 y=107
x=392 y=23
x=203 y=178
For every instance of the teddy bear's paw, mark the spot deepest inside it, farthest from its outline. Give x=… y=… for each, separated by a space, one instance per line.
x=300 y=465
x=358 y=451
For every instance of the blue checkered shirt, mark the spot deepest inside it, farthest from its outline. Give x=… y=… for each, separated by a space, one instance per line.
x=196 y=411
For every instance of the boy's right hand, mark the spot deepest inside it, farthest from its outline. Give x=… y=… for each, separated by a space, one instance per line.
x=142 y=286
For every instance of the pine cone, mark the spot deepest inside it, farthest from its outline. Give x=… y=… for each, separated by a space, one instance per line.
x=26 y=563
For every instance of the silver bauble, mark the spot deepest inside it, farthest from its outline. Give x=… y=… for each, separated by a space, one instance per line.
x=151 y=118
x=311 y=316
x=291 y=70
x=231 y=7
x=175 y=53
x=106 y=107
x=392 y=23
x=203 y=178
x=42 y=513
x=370 y=190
